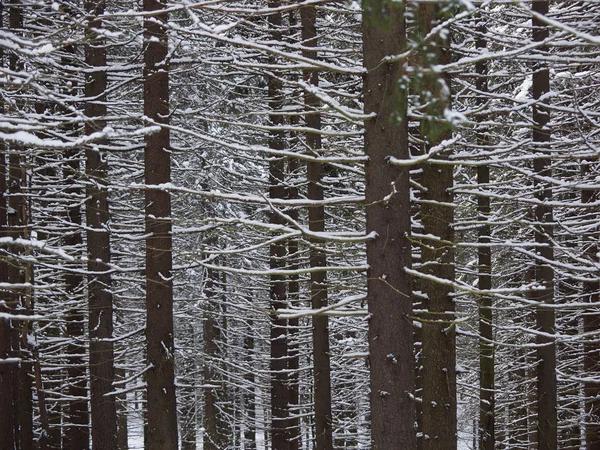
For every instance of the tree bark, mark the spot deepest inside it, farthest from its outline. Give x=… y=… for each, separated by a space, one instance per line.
x=249 y=396
x=591 y=324
x=162 y=408
x=389 y=250
x=544 y=274
x=100 y=302
x=213 y=435
x=280 y=436
x=316 y=223
x=8 y=366
x=437 y=215
x=293 y=324
x=18 y=271
x=487 y=438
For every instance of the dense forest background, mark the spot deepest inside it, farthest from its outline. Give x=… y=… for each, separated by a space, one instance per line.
x=304 y=224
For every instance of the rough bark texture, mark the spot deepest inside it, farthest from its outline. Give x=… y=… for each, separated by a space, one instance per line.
x=100 y=317
x=7 y=370
x=213 y=436
x=19 y=272
x=293 y=324
x=249 y=403
x=437 y=215
x=316 y=223
x=388 y=221
x=76 y=431
x=544 y=274
x=280 y=436
x=162 y=410
x=591 y=324
x=487 y=402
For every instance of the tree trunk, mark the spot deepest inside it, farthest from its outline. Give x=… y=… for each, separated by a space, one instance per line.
x=388 y=251
x=8 y=366
x=280 y=436
x=293 y=324
x=591 y=324
x=162 y=409
x=249 y=396
x=437 y=214
x=76 y=432
x=100 y=317
x=544 y=274
x=316 y=223
x=487 y=438
x=213 y=436
x=121 y=404
x=18 y=271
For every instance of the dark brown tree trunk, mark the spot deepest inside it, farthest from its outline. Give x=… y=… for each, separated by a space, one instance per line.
x=591 y=323
x=316 y=223
x=544 y=274
x=213 y=436
x=293 y=324
x=122 y=439
x=487 y=438
x=162 y=408
x=388 y=223
x=437 y=215
x=76 y=430
x=8 y=367
x=280 y=436
x=249 y=397
x=100 y=302
x=294 y=300
x=18 y=272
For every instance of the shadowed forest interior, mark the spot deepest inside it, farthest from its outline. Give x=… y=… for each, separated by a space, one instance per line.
x=298 y=225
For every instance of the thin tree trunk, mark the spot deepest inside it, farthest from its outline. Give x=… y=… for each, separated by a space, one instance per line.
x=544 y=274
x=76 y=430
x=389 y=250
x=249 y=395
x=280 y=436
x=8 y=365
x=213 y=436
x=100 y=302
x=439 y=335
x=162 y=409
x=292 y=192
x=487 y=438
x=316 y=223
x=293 y=324
x=18 y=271
x=591 y=325
x=122 y=438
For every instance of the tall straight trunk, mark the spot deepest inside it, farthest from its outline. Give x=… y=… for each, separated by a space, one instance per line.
x=591 y=323
x=487 y=438
x=53 y=380
x=280 y=436
x=18 y=271
x=544 y=274
x=293 y=262
x=293 y=324
x=249 y=394
x=162 y=408
x=213 y=435
x=7 y=369
x=388 y=222
x=76 y=430
x=439 y=418
x=316 y=223
x=122 y=406
x=100 y=301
